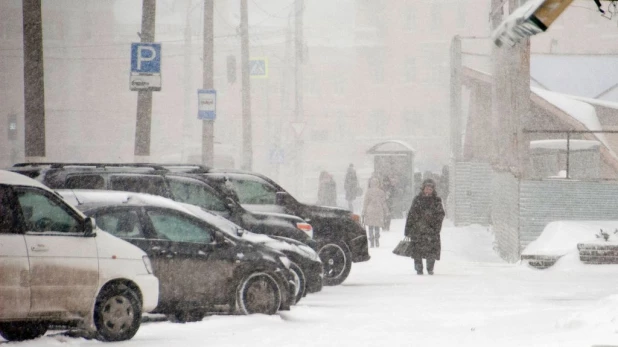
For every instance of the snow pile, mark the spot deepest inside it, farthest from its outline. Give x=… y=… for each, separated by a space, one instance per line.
x=561 y=237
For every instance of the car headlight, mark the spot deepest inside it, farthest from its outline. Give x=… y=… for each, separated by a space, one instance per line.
x=285 y=261
x=147 y=264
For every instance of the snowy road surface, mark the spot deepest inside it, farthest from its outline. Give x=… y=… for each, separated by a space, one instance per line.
x=475 y=299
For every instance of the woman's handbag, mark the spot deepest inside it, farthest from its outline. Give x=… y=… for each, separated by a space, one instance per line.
x=404 y=248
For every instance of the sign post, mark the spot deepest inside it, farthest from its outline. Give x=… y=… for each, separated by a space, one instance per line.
x=145 y=66
x=206 y=104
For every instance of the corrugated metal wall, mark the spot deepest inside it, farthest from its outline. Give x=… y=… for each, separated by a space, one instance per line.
x=519 y=210
x=545 y=201
x=471 y=193
x=505 y=215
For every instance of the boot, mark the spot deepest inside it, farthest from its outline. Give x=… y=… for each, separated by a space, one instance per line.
x=377 y=243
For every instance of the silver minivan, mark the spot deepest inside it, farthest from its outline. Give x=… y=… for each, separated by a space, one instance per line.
x=58 y=268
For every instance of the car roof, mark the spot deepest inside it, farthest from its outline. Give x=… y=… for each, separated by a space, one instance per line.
x=98 y=198
x=13 y=178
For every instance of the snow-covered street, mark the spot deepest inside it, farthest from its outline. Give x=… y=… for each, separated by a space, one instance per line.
x=474 y=299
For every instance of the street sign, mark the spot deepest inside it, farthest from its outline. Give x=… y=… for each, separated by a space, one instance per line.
x=206 y=104
x=276 y=155
x=145 y=66
x=298 y=127
x=258 y=68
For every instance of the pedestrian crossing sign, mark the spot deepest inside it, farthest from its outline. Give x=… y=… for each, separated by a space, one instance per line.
x=258 y=67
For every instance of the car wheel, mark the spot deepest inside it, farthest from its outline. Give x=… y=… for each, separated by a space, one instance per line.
x=117 y=313
x=299 y=280
x=258 y=293
x=337 y=263
x=20 y=331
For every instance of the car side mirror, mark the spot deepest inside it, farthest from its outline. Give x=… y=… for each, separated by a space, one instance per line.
x=230 y=203
x=89 y=227
x=283 y=198
x=220 y=241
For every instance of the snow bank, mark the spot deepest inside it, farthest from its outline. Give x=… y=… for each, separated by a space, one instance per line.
x=559 y=144
x=561 y=237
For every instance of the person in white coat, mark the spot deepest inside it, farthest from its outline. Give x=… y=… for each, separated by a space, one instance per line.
x=374 y=211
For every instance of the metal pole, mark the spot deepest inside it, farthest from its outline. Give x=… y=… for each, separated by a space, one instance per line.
x=208 y=126
x=34 y=87
x=247 y=153
x=298 y=92
x=144 y=98
x=456 y=151
x=568 y=154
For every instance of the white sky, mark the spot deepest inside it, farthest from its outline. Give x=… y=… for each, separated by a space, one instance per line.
x=475 y=299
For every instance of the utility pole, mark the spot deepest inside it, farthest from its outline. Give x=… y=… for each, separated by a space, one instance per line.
x=247 y=138
x=34 y=86
x=208 y=125
x=510 y=98
x=298 y=91
x=456 y=150
x=144 y=97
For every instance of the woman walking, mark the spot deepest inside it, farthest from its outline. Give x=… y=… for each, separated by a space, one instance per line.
x=374 y=211
x=423 y=226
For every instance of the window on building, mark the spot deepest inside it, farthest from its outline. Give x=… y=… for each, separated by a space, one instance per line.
x=410 y=19
x=436 y=16
x=410 y=69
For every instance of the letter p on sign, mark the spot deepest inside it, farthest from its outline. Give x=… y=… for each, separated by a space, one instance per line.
x=146 y=58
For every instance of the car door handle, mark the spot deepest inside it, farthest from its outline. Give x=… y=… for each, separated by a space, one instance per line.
x=39 y=248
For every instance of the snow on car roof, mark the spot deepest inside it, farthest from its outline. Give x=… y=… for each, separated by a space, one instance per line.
x=12 y=178
x=85 y=196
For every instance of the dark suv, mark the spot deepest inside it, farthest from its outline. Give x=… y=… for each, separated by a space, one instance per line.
x=341 y=238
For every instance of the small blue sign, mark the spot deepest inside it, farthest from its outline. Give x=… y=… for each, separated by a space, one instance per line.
x=206 y=104
x=276 y=155
x=258 y=68
x=146 y=58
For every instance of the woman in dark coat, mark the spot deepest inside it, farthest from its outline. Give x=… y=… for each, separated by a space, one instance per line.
x=423 y=227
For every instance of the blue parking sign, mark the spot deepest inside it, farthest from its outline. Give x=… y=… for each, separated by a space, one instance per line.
x=146 y=57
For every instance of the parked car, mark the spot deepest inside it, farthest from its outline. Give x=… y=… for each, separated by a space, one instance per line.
x=306 y=264
x=58 y=268
x=201 y=269
x=341 y=238
x=156 y=180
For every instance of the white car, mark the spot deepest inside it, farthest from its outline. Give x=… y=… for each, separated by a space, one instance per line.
x=58 y=268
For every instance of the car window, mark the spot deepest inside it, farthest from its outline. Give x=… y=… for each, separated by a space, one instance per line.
x=154 y=185
x=42 y=212
x=7 y=212
x=124 y=223
x=194 y=193
x=254 y=192
x=85 y=182
x=174 y=227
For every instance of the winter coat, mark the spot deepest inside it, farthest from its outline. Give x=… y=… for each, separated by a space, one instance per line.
x=374 y=207
x=351 y=184
x=423 y=226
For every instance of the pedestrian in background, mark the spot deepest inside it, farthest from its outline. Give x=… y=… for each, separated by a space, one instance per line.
x=327 y=190
x=351 y=187
x=389 y=190
x=374 y=211
x=423 y=226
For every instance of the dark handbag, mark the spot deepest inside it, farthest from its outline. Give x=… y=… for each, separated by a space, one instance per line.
x=404 y=248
